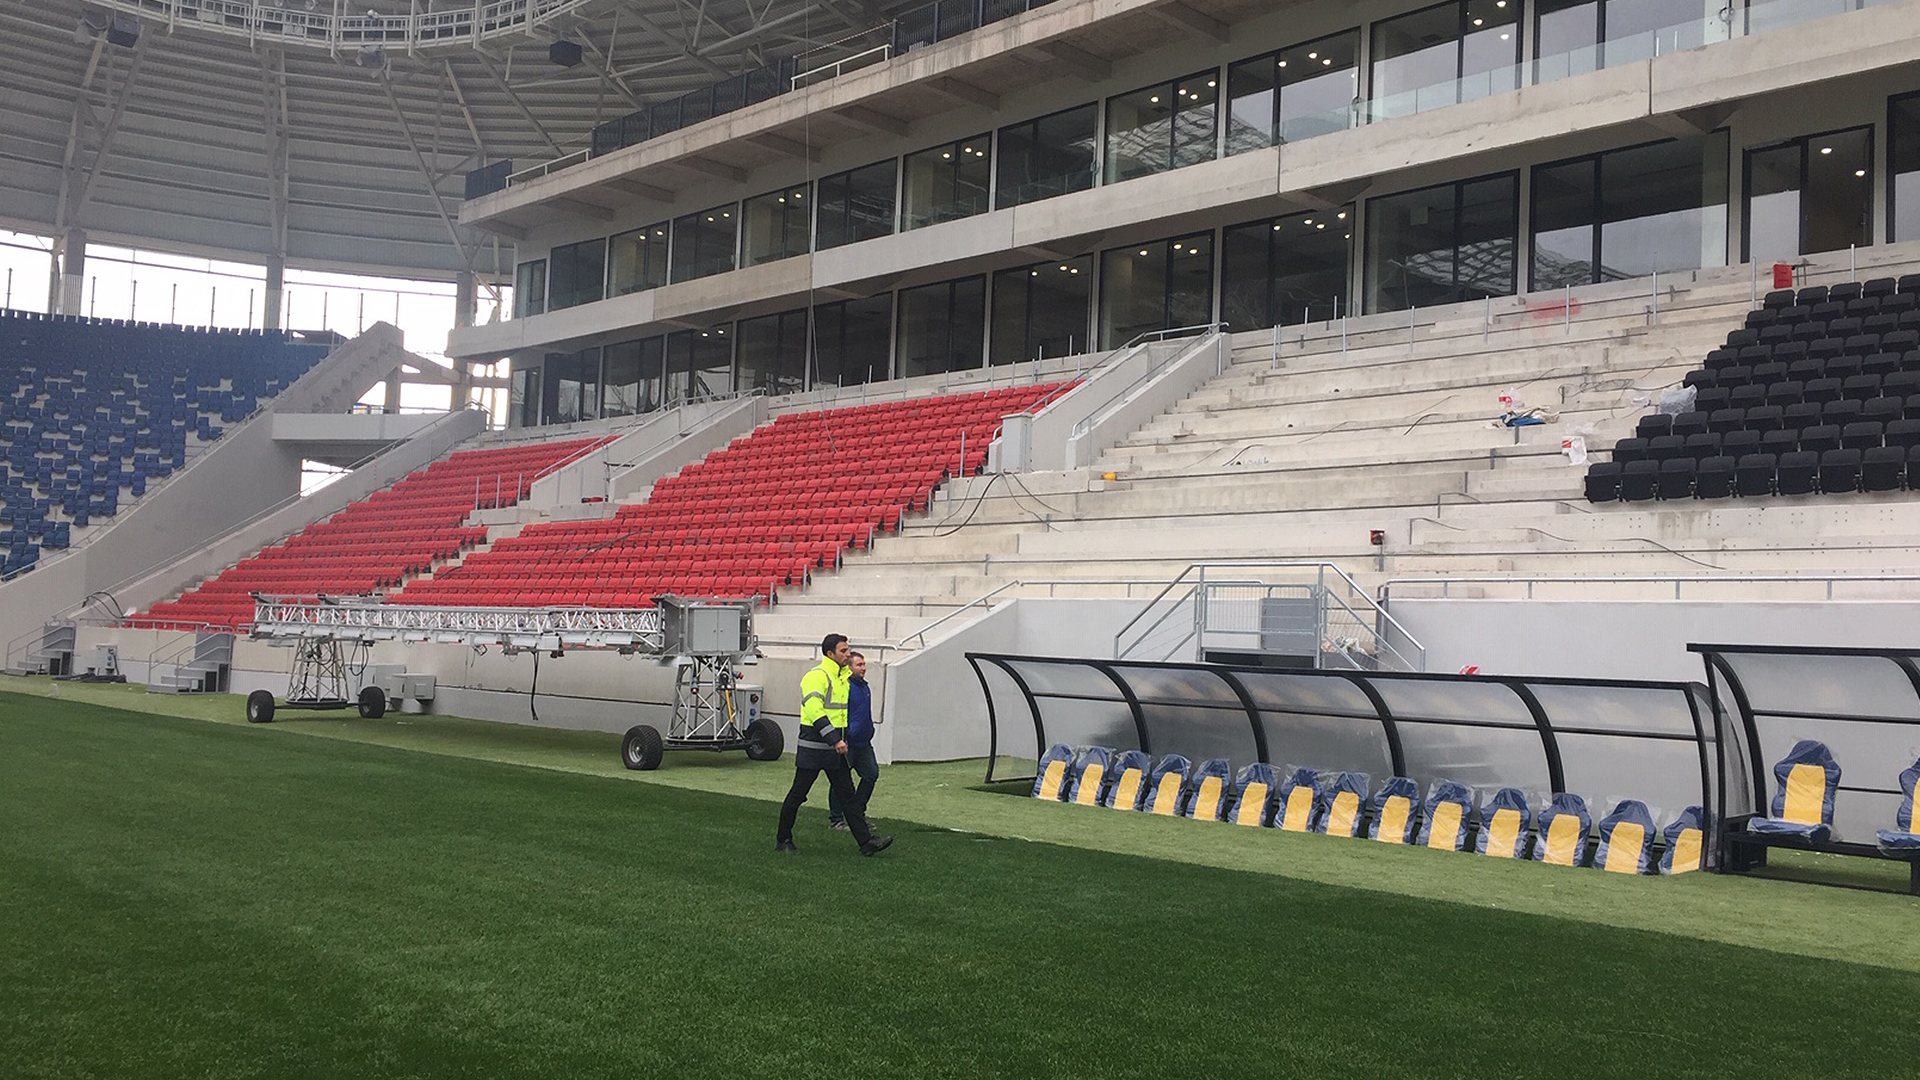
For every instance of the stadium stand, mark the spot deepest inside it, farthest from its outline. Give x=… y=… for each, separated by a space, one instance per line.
x=1341 y=804
x=765 y=511
x=373 y=544
x=1090 y=777
x=1564 y=826
x=1803 y=798
x=1390 y=814
x=1129 y=785
x=93 y=410
x=1626 y=839
x=1207 y=790
x=1297 y=793
x=1253 y=796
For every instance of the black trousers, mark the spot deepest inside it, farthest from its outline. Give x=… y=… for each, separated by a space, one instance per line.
x=840 y=780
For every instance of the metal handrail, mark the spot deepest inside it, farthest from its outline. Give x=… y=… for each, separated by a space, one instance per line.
x=1386 y=620
x=1384 y=595
x=1213 y=333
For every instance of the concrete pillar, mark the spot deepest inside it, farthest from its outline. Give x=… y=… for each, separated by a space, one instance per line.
x=392 y=403
x=272 y=316
x=466 y=298
x=73 y=273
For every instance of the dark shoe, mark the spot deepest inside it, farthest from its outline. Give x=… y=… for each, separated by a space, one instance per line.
x=876 y=845
x=839 y=826
x=785 y=847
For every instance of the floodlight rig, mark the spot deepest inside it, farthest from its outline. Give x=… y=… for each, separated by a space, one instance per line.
x=706 y=640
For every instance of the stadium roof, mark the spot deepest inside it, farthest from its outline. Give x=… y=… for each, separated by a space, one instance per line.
x=338 y=135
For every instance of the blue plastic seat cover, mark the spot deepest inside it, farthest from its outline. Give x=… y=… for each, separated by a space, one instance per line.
x=1253 y=795
x=1343 y=804
x=1564 y=826
x=1090 y=776
x=1131 y=770
x=1686 y=842
x=1626 y=839
x=1207 y=790
x=1446 y=815
x=1055 y=772
x=1295 y=810
x=1393 y=814
x=1505 y=825
x=1901 y=841
x=1804 y=783
x=1167 y=787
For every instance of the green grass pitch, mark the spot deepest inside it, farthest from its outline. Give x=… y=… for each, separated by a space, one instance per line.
x=429 y=897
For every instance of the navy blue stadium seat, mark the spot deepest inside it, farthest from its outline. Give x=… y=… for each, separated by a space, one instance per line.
x=1055 y=773
x=1253 y=795
x=1131 y=770
x=1564 y=825
x=1804 y=783
x=1294 y=810
x=1342 y=805
x=1883 y=468
x=1796 y=473
x=1208 y=789
x=1167 y=786
x=1713 y=478
x=1626 y=839
x=1090 y=774
x=1393 y=815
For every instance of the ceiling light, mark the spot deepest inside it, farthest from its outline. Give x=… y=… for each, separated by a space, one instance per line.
x=1859 y=172
x=1328 y=62
x=1322 y=225
x=1143 y=251
x=1504 y=37
x=1063 y=268
x=1313 y=56
x=1309 y=221
x=1276 y=227
x=1154 y=100
x=1211 y=83
x=1342 y=215
x=1479 y=22
x=1283 y=63
x=946 y=156
x=1826 y=149
x=1033 y=273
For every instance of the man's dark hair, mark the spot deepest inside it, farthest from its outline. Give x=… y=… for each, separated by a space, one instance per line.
x=830 y=643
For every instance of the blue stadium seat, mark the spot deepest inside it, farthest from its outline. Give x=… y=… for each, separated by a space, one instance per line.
x=1207 y=790
x=1130 y=771
x=1342 y=805
x=1505 y=825
x=1686 y=843
x=1803 y=796
x=1902 y=841
x=1394 y=812
x=1090 y=776
x=1253 y=795
x=1626 y=839
x=1564 y=826
x=1167 y=786
x=1446 y=815
x=1294 y=813
x=1055 y=772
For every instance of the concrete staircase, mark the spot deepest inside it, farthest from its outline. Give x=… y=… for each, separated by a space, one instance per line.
x=48 y=651
x=201 y=664
x=1312 y=440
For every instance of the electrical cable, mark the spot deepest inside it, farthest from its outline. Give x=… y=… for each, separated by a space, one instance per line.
x=533 y=688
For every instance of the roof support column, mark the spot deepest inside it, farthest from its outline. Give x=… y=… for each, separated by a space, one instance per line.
x=73 y=273
x=270 y=316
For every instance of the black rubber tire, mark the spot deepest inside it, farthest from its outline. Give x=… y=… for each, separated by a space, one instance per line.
x=373 y=702
x=642 y=749
x=765 y=741
x=260 y=707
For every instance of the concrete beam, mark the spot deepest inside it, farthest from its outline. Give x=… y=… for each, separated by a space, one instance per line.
x=1693 y=123
x=714 y=168
x=644 y=191
x=1185 y=18
x=1078 y=61
x=960 y=90
x=1330 y=196
x=582 y=208
x=781 y=144
x=873 y=120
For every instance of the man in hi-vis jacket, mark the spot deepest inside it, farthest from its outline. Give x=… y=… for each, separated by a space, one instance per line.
x=822 y=747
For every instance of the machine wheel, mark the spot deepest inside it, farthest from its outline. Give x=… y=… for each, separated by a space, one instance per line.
x=764 y=740
x=260 y=707
x=641 y=749
x=373 y=702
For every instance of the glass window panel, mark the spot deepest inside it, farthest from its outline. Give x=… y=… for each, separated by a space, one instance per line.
x=942 y=327
x=773 y=352
x=576 y=274
x=1565 y=204
x=1286 y=270
x=530 y=288
x=1158 y=285
x=1201 y=733
x=1903 y=166
x=1043 y=677
x=1479 y=702
x=524 y=403
x=1489 y=226
x=946 y=183
x=633 y=380
x=775 y=226
x=1856 y=685
x=1623 y=708
x=1663 y=207
x=572 y=386
x=856 y=205
x=1041 y=310
x=852 y=341
x=1639 y=29
x=1838 y=207
x=1443 y=244
x=704 y=242
x=637 y=260
x=1318 y=84
x=699 y=364
x=1773 y=203
x=1416 y=61
x=1190 y=282
x=1089 y=723
x=1046 y=157
x=1607 y=768
x=1162 y=127
x=1566 y=38
x=1490 y=51
x=1484 y=759
x=1253 y=104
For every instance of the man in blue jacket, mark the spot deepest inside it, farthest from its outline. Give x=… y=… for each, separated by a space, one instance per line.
x=859 y=744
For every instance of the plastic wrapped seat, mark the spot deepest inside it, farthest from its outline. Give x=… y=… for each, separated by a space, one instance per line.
x=1626 y=839
x=1207 y=790
x=1392 y=816
x=1130 y=770
x=1803 y=796
x=1090 y=776
x=1341 y=804
x=1253 y=795
x=1294 y=813
x=1056 y=770
x=1505 y=825
x=1167 y=786
x=1686 y=843
x=1448 y=811
x=1564 y=825
x=1902 y=841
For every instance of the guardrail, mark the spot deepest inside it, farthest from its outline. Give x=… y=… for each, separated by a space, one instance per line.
x=333 y=28
x=1826 y=583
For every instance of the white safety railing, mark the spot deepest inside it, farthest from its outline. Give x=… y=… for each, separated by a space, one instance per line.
x=337 y=24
